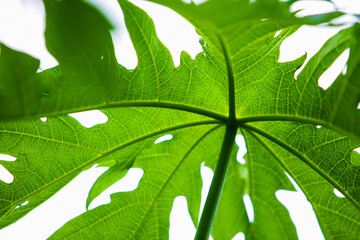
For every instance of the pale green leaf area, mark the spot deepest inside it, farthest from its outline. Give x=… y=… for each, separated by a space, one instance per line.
x=235 y=85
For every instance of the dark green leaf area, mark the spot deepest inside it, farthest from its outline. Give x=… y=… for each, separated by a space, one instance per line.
x=77 y=35
x=67 y=148
x=260 y=177
x=319 y=161
x=19 y=88
x=171 y=168
x=216 y=15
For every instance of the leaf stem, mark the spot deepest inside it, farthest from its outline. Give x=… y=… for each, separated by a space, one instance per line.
x=213 y=198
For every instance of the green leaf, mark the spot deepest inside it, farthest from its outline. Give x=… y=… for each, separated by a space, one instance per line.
x=67 y=148
x=94 y=79
x=168 y=172
x=235 y=83
x=355 y=158
x=118 y=168
x=18 y=69
x=260 y=177
x=264 y=88
x=319 y=161
x=73 y=28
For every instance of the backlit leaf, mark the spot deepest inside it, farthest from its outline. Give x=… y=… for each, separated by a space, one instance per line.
x=236 y=83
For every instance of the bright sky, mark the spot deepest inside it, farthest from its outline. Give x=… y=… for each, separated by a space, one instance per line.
x=22 y=26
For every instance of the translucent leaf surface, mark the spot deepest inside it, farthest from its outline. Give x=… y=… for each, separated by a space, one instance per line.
x=235 y=83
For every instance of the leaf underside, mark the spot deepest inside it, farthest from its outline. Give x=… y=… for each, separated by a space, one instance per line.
x=237 y=80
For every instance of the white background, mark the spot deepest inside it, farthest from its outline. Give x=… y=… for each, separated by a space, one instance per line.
x=22 y=26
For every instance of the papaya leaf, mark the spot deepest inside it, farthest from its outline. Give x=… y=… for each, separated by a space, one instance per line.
x=235 y=85
x=303 y=153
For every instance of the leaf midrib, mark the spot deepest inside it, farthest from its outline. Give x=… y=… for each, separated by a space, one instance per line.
x=156 y=104
x=207 y=113
x=231 y=83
